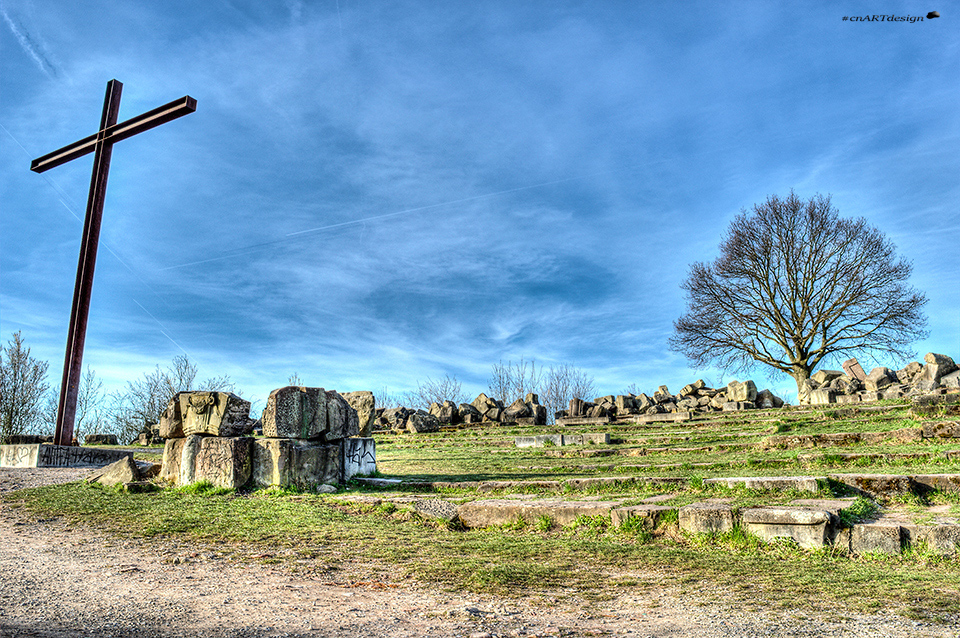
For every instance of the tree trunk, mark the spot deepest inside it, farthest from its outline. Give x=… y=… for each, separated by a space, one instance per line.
x=800 y=373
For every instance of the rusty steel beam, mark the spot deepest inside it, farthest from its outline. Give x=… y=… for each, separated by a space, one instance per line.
x=116 y=132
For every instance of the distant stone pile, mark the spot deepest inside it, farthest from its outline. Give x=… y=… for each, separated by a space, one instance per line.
x=852 y=385
x=693 y=397
x=483 y=409
x=308 y=440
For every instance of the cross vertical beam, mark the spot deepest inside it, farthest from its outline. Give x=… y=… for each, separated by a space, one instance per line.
x=77 y=331
x=101 y=144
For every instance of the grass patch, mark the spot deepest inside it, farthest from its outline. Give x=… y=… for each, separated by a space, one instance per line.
x=517 y=559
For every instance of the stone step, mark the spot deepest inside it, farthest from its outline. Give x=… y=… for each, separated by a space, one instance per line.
x=777 y=483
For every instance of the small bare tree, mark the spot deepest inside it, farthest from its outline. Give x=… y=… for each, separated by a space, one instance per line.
x=145 y=399
x=23 y=384
x=511 y=381
x=562 y=383
x=90 y=416
x=795 y=284
x=436 y=391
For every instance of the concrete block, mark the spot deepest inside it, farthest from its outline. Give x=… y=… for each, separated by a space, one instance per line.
x=876 y=537
x=571 y=439
x=706 y=518
x=437 y=508
x=19 y=455
x=596 y=438
x=46 y=455
x=358 y=455
x=649 y=513
x=809 y=528
x=295 y=463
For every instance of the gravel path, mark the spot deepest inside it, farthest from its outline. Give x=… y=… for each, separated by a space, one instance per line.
x=59 y=581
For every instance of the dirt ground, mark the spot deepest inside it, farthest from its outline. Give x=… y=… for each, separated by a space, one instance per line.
x=57 y=581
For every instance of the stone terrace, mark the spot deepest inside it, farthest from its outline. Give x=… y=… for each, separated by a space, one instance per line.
x=793 y=473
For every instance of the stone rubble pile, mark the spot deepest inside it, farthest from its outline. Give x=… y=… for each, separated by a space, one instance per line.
x=309 y=440
x=483 y=409
x=938 y=374
x=694 y=397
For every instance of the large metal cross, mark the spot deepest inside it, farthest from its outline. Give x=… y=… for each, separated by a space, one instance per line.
x=101 y=144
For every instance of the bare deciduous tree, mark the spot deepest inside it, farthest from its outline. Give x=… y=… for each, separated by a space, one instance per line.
x=511 y=381
x=436 y=391
x=90 y=417
x=794 y=284
x=145 y=399
x=23 y=384
x=562 y=383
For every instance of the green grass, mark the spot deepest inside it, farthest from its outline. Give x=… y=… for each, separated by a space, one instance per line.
x=585 y=559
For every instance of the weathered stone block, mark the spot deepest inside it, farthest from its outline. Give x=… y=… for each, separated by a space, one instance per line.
x=342 y=420
x=945 y=364
x=822 y=396
x=846 y=398
x=170 y=465
x=823 y=377
x=296 y=412
x=171 y=421
x=706 y=518
x=650 y=515
x=225 y=461
x=419 y=422
x=854 y=370
x=437 y=508
x=358 y=456
x=875 y=485
x=807 y=527
x=745 y=391
x=878 y=379
x=736 y=406
x=484 y=513
x=123 y=471
x=876 y=537
x=941 y=429
x=295 y=463
x=216 y=413
x=101 y=439
x=46 y=455
x=366 y=405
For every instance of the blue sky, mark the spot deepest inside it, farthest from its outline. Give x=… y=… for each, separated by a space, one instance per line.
x=371 y=194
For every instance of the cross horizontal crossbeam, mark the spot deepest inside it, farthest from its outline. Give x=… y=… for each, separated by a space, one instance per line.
x=115 y=133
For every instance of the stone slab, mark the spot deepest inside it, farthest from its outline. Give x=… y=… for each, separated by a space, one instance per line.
x=668 y=417
x=809 y=528
x=46 y=455
x=778 y=483
x=875 y=485
x=649 y=513
x=485 y=513
x=939 y=482
x=886 y=538
x=582 y=420
x=358 y=456
x=706 y=518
